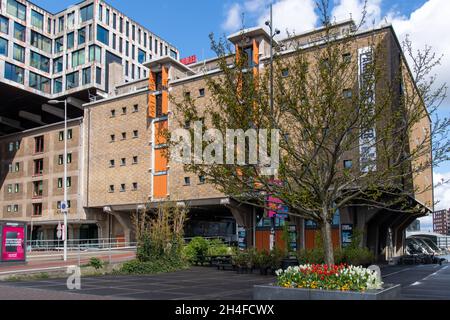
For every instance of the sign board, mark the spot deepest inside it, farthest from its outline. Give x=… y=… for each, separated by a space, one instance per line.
x=13 y=241
x=64 y=207
x=346 y=234
x=189 y=60
x=242 y=238
x=292 y=238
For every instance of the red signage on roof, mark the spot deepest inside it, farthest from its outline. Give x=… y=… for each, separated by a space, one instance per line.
x=189 y=60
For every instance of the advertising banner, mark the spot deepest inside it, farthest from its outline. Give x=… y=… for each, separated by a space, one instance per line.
x=242 y=238
x=13 y=242
x=346 y=234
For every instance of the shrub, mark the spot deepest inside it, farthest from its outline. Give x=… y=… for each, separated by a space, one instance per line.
x=96 y=263
x=151 y=267
x=196 y=250
x=324 y=277
x=216 y=247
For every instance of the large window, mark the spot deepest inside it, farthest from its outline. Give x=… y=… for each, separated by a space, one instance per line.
x=40 y=62
x=78 y=58
x=57 y=85
x=61 y=24
x=102 y=35
x=58 y=65
x=41 y=42
x=81 y=36
x=173 y=54
x=19 y=53
x=3 y=47
x=14 y=73
x=37 y=20
x=59 y=44
x=95 y=53
x=39 y=82
x=71 y=20
x=72 y=80
x=4 y=25
x=98 y=75
x=70 y=40
x=19 y=31
x=87 y=13
x=141 y=56
x=16 y=9
x=86 y=76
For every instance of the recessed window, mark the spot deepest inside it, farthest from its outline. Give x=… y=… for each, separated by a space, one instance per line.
x=135 y=186
x=201 y=92
x=112 y=163
x=16 y=208
x=202 y=179
x=187 y=181
x=135 y=134
x=37 y=209
x=123 y=162
x=113 y=113
x=285 y=73
x=348 y=164
x=113 y=137
x=135 y=160
x=38 y=167
x=124 y=110
x=111 y=188
x=123 y=188
x=347 y=93
x=135 y=108
x=10 y=188
x=39 y=144
x=347 y=57
x=9 y=208
x=16 y=188
x=187 y=95
x=102 y=35
x=124 y=135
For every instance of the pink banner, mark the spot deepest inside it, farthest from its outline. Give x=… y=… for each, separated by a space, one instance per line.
x=13 y=243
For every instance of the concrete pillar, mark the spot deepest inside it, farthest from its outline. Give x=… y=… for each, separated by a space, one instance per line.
x=125 y=221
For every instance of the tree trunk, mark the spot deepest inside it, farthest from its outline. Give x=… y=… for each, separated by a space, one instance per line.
x=327 y=242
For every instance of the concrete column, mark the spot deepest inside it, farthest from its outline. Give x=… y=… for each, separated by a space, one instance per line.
x=125 y=221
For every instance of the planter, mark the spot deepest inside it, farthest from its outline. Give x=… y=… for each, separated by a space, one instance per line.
x=271 y=292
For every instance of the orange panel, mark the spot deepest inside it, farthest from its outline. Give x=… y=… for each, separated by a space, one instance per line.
x=160 y=160
x=255 y=61
x=160 y=186
x=161 y=128
x=263 y=240
x=165 y=94
x=152 y=97
x=310 y=238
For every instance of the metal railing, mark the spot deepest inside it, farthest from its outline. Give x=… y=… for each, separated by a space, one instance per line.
x=78 y=245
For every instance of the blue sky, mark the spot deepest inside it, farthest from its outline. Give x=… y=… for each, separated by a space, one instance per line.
x=187 y=24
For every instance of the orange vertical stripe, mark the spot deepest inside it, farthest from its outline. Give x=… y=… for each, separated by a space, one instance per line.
x=160 y=187
x=160 y=128
x=151 y=96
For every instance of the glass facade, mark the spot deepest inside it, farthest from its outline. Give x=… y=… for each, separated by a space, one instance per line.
x=39 y=61
x=18 y=53
x=72 y=80
x=3 y=47
x=141 y=56
x=14 y=73
x=57 y=85
x=58 y=65
x=41 y=42
x=39 y=82
x=70 y=40
x=87 y=13
x=19 y=31
x=16 y=9
x=95 y=53
x=37 y=20
x=86 y=76
x=102 y=35
x=59 y=44
x=81 y=36
x=78 y=58
x=4 y=24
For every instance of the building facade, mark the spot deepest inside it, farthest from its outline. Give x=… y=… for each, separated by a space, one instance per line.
x=82 y=52
x=441 y=222
x=123 y=167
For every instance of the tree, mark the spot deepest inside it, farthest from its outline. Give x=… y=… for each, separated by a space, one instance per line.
x=332 y=102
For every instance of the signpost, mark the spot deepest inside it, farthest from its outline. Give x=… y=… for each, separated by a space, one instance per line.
x=13 y=237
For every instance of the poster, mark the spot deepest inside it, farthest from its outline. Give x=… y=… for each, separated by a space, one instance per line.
x=346 y=234
x=292 y=238
x=242 y=238
x=13 y=238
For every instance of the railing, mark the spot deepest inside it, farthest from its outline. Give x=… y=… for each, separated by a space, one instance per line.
x=78 y=245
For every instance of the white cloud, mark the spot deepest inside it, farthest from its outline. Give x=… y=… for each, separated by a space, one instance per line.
x=343 y=9
x=233 y=20
x=428 y=25
x=442 y=193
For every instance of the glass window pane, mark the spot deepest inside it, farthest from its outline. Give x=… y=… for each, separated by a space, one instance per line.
x=39 y=82
x=81 y=36
x=87 y=13
x=70 y=40
x=4 y=24
x=86 y=76
x=39 y=61
x=102 y=35
x=3 y=47
x=41 y=42
x=37 y=20
x=72 y=80
x=16 y=9
x=19 y=53
x=14 y=73
x=19 y=31
x=59 y=45
x=57 y=85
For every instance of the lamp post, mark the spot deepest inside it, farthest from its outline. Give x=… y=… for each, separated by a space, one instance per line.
x=273 y=33
x=54 y=102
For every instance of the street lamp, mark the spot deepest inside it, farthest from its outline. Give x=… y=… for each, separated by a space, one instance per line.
x=273 y=33
x=54 y=102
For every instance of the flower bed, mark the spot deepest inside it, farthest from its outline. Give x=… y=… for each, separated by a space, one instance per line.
x=324 y=277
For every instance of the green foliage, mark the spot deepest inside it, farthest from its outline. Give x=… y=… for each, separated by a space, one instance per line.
x=151 y=267
x=196 y=250
x=96 y=263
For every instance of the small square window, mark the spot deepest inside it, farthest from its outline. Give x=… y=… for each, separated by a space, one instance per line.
x=187 y=181
x=348 y=164
x=201 y=92
x=61 y=136
x=111 y=188
x=8 y=208
x=135 y=134
x=124 y=135
x=123 y=162
x=113 y=113
x=124 y=110
x=112 y=163
x=122 y=187
x=135 y=186
x=187 y=95
x=135 y=108
x=187 y=124
x=135 y=160
x=285 y=73
x=347 y=57
x=113 y=137
x=61 y=159
x=16 y=208
x=347 y=93
x=69 y=134
x=202 y=179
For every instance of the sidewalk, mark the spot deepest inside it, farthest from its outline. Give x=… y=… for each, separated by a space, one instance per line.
x=36 y=263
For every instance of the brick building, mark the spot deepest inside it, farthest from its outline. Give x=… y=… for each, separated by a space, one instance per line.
x=441 y=222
